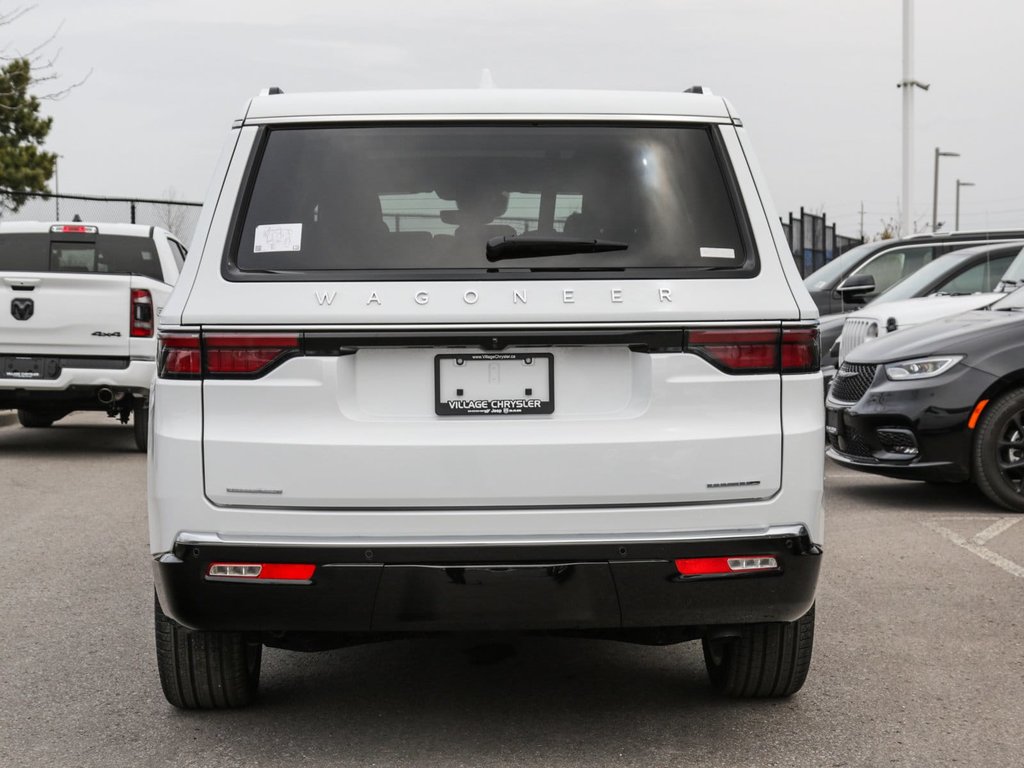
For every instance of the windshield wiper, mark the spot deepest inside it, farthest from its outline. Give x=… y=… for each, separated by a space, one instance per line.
x=528 y=246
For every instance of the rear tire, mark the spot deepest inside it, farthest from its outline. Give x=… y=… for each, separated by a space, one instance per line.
x=205 y=670
x=35 y=419
x=997 y=457
x=765 y=661
x=140 y=426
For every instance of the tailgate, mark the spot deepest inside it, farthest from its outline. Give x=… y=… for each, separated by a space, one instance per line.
x=372 y=428
x=51 y=313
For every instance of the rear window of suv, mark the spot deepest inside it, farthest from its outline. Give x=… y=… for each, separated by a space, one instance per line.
x=106 y=254
x=390 y=201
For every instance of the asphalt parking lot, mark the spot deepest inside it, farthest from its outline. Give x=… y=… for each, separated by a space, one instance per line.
x=918 y=659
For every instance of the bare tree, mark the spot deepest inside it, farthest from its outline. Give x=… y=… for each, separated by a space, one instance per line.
x=171 y=212
x=41 y=57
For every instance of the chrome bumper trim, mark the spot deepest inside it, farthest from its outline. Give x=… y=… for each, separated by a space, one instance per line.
x=187 y=538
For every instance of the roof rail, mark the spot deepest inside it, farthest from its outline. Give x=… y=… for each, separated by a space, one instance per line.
x=965 y=233
x=271 y=91
x=699 y=89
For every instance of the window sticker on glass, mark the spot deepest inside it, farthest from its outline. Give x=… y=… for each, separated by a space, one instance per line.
x=278 y=237
x=717 y=253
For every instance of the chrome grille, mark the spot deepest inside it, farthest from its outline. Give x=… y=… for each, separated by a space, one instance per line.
x=851 y=382
x=855 y=333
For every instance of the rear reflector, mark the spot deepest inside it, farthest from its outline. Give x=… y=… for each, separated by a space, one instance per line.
x=756 y=350
x=142 y=313
x=717 y=566
x=74 y=229
x=262 y=571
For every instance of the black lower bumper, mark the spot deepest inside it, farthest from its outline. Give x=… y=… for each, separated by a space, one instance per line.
x=544 y=587
x=63 y=401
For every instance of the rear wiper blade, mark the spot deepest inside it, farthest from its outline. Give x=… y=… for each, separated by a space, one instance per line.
x=528 y=246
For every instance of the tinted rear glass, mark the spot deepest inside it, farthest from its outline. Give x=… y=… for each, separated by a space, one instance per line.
x=431 y=197
x=107 y=254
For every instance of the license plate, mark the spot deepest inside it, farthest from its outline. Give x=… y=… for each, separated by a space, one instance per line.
x=494 y=384
x=833 y=421
x=30 y=368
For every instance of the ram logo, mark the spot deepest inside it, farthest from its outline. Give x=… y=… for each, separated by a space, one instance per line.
x=22 y=309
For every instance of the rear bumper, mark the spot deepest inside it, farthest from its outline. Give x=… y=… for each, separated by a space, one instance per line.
x=79 y=384
x=605 y=585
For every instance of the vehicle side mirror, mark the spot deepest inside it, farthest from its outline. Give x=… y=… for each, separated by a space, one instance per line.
x=856 y=287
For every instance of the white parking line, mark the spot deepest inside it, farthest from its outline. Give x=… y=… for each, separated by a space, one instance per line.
x=977 y=547
x=994 y=530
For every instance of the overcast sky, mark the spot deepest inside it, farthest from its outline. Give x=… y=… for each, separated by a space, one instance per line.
x=814 y=81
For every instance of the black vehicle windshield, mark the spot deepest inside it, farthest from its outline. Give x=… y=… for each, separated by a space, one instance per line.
x=106 y=254
x=431 y=197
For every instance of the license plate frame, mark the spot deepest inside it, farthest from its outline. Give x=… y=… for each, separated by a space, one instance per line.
x=29 y=368
x=526 y=404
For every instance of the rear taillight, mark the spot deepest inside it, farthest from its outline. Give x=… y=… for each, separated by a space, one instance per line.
x=223 y=355
x=800 y=352
x=756 y=350
x=239 y=354
x=180 y=356
x=142 y=313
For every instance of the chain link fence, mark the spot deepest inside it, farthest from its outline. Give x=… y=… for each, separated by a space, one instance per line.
x=814 y=241
x=176 y=216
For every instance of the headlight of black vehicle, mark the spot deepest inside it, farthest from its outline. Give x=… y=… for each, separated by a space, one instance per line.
x=921 y=368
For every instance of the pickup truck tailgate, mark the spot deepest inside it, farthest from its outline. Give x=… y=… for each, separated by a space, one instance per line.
x=44 y=313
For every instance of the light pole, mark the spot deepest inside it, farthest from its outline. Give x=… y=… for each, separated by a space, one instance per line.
x=908 y=84
x=935 y=192
x=56 y=184
x=958 y=185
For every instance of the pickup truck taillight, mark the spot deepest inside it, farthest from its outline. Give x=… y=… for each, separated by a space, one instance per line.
x=756 y=350
x=223 y=355
x=142 y=313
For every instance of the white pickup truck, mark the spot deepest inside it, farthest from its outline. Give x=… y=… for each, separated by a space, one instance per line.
x=78 y=307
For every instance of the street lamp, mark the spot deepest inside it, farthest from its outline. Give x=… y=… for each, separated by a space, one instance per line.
x=958 y=185
x=935 y=192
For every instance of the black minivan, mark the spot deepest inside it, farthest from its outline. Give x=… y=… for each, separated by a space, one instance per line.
x=862 y=273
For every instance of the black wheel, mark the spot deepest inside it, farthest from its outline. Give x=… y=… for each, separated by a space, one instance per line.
x=998 y=456
x=140 y=426
x=205 y=670
x=765 y=661
x=35 y=419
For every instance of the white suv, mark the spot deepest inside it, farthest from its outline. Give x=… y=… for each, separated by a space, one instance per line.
x=486 y=360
